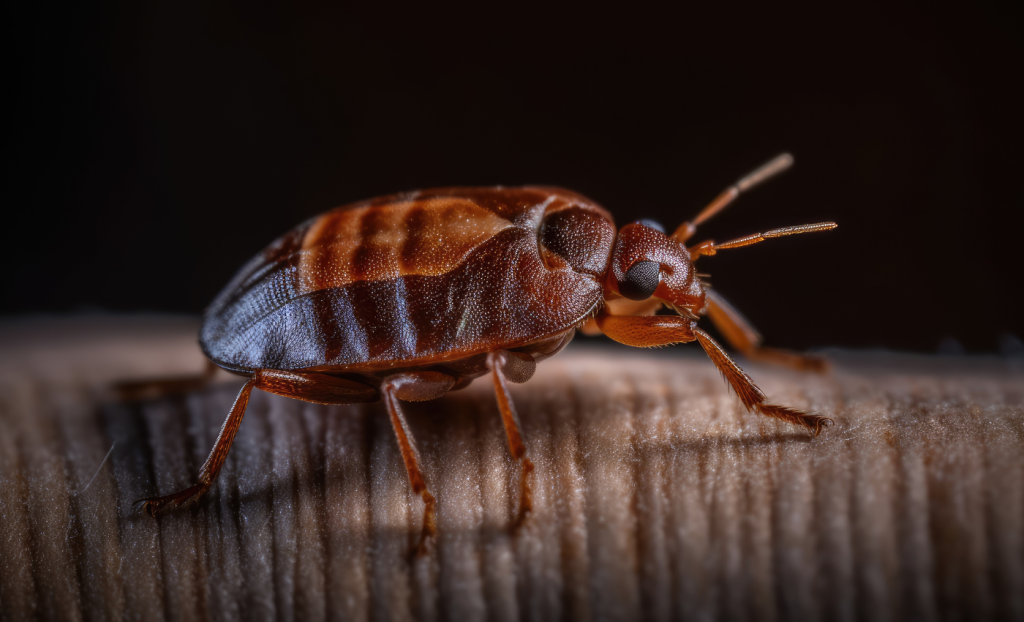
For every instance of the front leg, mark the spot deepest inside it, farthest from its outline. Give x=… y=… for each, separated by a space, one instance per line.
x=742 y=336
x=661 y=330
x=647 y=332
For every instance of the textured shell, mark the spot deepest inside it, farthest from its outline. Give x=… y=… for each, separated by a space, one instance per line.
x=411 y=279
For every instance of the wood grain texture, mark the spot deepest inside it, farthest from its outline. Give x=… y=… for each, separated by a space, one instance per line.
x=656 y=495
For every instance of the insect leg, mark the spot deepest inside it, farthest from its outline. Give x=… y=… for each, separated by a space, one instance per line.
x=744 y=337
x=766 y=171
x=751 y=396
x=648 y=331
x=660 y=330
x=208 y=473
x=153 y=388
x=306 y=386
x=415 y=386
x=622 y=306
x=506 y=366
x=314 y=387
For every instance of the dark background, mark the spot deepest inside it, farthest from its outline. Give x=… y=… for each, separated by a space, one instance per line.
x=154 y=149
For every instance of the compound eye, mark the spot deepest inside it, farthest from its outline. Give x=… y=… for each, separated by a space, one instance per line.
x=641 y=280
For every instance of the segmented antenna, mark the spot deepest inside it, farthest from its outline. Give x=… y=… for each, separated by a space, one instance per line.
x=763 y=173
x=710 y=248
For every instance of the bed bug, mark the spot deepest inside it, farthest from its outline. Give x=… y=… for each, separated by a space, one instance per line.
x=409 y=296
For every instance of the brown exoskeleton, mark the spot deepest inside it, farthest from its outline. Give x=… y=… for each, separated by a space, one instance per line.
x=409 y=296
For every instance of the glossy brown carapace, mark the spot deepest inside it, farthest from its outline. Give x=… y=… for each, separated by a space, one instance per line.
x=437 y=275
x=410 y=296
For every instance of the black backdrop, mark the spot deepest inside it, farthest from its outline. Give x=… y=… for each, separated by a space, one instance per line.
x=154 y=149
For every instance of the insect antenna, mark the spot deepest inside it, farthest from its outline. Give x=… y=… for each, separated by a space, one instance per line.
x=766 y=171
x=710 y=248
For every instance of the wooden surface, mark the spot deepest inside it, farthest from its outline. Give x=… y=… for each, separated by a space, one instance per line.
x=657 y=496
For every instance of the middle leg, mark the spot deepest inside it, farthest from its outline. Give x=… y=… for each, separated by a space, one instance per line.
x=415 y=387
x=516 y=367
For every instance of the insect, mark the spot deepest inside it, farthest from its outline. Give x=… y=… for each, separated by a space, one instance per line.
x=410 y=296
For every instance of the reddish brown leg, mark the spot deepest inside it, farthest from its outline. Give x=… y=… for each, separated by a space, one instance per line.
x=415 y=387
x=306 y=386
x=519 y=368
x=153 y=388
x=647 y=332
x=744 y=337
x=208 y=473
x=750 y=394
x=663 y=330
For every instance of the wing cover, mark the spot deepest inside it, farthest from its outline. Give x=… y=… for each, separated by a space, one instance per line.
x=405 y=279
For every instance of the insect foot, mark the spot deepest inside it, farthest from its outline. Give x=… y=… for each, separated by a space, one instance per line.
x=158 y=506
x=429 y=531
x=812 y=422
x=526 y=497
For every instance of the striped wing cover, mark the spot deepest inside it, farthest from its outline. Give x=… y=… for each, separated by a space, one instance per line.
x=434 y=275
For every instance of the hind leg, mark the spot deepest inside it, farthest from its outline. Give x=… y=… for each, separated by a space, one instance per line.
x=306 y=386
x=153 y=388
